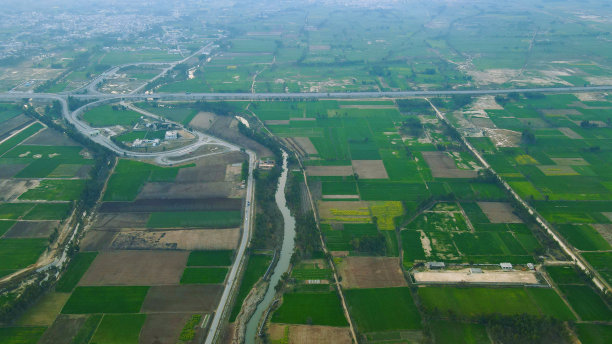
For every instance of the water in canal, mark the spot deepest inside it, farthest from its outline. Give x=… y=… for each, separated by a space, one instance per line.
x=285 y=256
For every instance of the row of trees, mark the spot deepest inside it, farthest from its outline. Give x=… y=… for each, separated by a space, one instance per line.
x=17 y=301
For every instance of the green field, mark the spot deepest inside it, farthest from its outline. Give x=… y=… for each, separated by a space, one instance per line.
x=5 y=226
x=105 y=116
x=586 y=302
x=119 y=328
x=255 y=269
x=49 y=211
x=446 y=332
x=210 y=258
x=20 y=335
x=383 y=309
x=564 y=275
x=310 y=308
x=15 y=140
x=19 y=253
x=105 y=300
x=76 y=269
x=204 y=275
x=594 y=333
x=87 y=329
x=473 y=302
x=56 y=190
x=130 y=176
x=201 y=219
x=12 y=211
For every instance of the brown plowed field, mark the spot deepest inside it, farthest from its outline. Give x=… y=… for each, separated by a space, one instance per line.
x=186 y=190
x=370 y=169
x=49 y=137
x=163 y=328
x=157 y=205
x=371 y=272
x=136 y=268
x=64 y=328
x=188 y=239
x=442 y=166
x=32 y=229
x=499 y=212
x=188 y=298
x=305 y=334
x=318 y=171
x=96 y=240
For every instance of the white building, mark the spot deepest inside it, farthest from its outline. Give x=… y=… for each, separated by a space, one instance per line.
x=506 y=266
x=171 y=135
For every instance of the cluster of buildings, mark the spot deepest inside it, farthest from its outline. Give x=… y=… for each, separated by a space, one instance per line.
x=168 y=136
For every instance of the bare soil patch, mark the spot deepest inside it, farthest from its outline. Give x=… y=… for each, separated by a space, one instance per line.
x=499 y=212
x=10 y=189
x=307 y=334
x=189 y=190
x=189 y=239
x=13 y=124
x=319 y=171
x=49 y=137
x=371 y=272
x=136 y=268
x=340 y=196
x=561 y=112
x=210 y=169
x=63 y=330
x=306 y=145
x=199 y=175
x=32 y=229
x=8 y=171
x=122 y=220
x=203 y=120
x=482 y=122
x=455 y=276
x=223 y=128
x=191 y=298
x=368 y=107
x=163 y=328
x=570 y=133
x=494 y=76
x=570 y=161
x=443 y=166
x=96 y=240
x=370 y=169
x=486 y=102
x=504 y=137
x=277 y=122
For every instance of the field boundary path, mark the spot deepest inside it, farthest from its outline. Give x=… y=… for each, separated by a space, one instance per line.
x=330 y=259
x=600 y=283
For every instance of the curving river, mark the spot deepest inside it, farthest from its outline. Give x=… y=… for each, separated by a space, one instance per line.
x=283 y=262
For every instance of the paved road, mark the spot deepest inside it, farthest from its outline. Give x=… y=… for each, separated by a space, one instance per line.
x=233 y=274
x=330 y=95
x=568 y=249
x=163 y=158
x=92 y=86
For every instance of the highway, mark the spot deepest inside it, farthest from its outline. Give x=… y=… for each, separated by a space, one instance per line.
x=306 y=95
